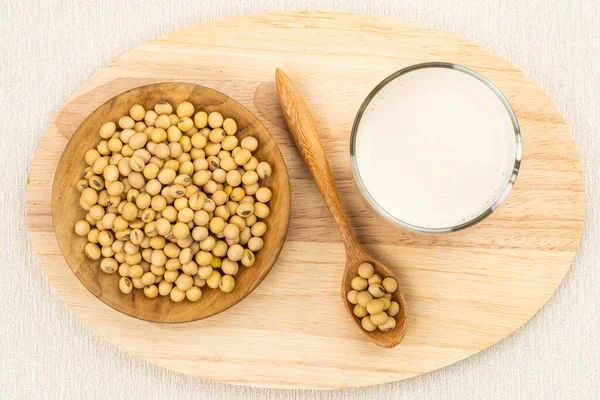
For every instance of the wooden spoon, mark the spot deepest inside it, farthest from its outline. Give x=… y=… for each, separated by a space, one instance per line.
x=305 y=134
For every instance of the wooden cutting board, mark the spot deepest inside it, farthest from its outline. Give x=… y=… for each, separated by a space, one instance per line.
x=464 y=291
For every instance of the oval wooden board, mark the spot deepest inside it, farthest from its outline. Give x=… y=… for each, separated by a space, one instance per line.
x=464 y=291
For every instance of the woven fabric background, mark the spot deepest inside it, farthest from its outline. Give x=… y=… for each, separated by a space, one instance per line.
x=48 y=47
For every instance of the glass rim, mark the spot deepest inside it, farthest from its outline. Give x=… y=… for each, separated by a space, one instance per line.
x=497 y=201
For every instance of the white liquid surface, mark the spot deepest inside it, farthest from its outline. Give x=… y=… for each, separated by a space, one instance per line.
x=435 y=148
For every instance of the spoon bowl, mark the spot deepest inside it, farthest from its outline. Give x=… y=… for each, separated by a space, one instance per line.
x=306 y=136
x=383 y=339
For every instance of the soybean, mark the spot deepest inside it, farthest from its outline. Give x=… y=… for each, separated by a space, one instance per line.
x=371 y=297
x=173 y=200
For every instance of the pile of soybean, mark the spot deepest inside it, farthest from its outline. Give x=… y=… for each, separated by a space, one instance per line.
x=174 y=201
x=372 y=297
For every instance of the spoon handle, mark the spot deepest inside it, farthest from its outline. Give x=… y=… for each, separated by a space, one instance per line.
x=304 y=131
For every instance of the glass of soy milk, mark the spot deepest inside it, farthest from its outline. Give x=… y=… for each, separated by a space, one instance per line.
x=435 y=148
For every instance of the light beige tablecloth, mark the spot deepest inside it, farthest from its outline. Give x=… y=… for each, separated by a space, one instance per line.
x=49 y=47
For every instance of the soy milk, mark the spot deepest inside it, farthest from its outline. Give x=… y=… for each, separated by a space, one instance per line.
x=435 y=148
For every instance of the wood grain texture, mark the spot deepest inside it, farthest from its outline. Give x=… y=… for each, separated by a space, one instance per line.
x=66 y=210
x=304 y=131
x=464 y=291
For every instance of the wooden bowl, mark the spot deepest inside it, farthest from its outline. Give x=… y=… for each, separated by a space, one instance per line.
x=66 y=209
